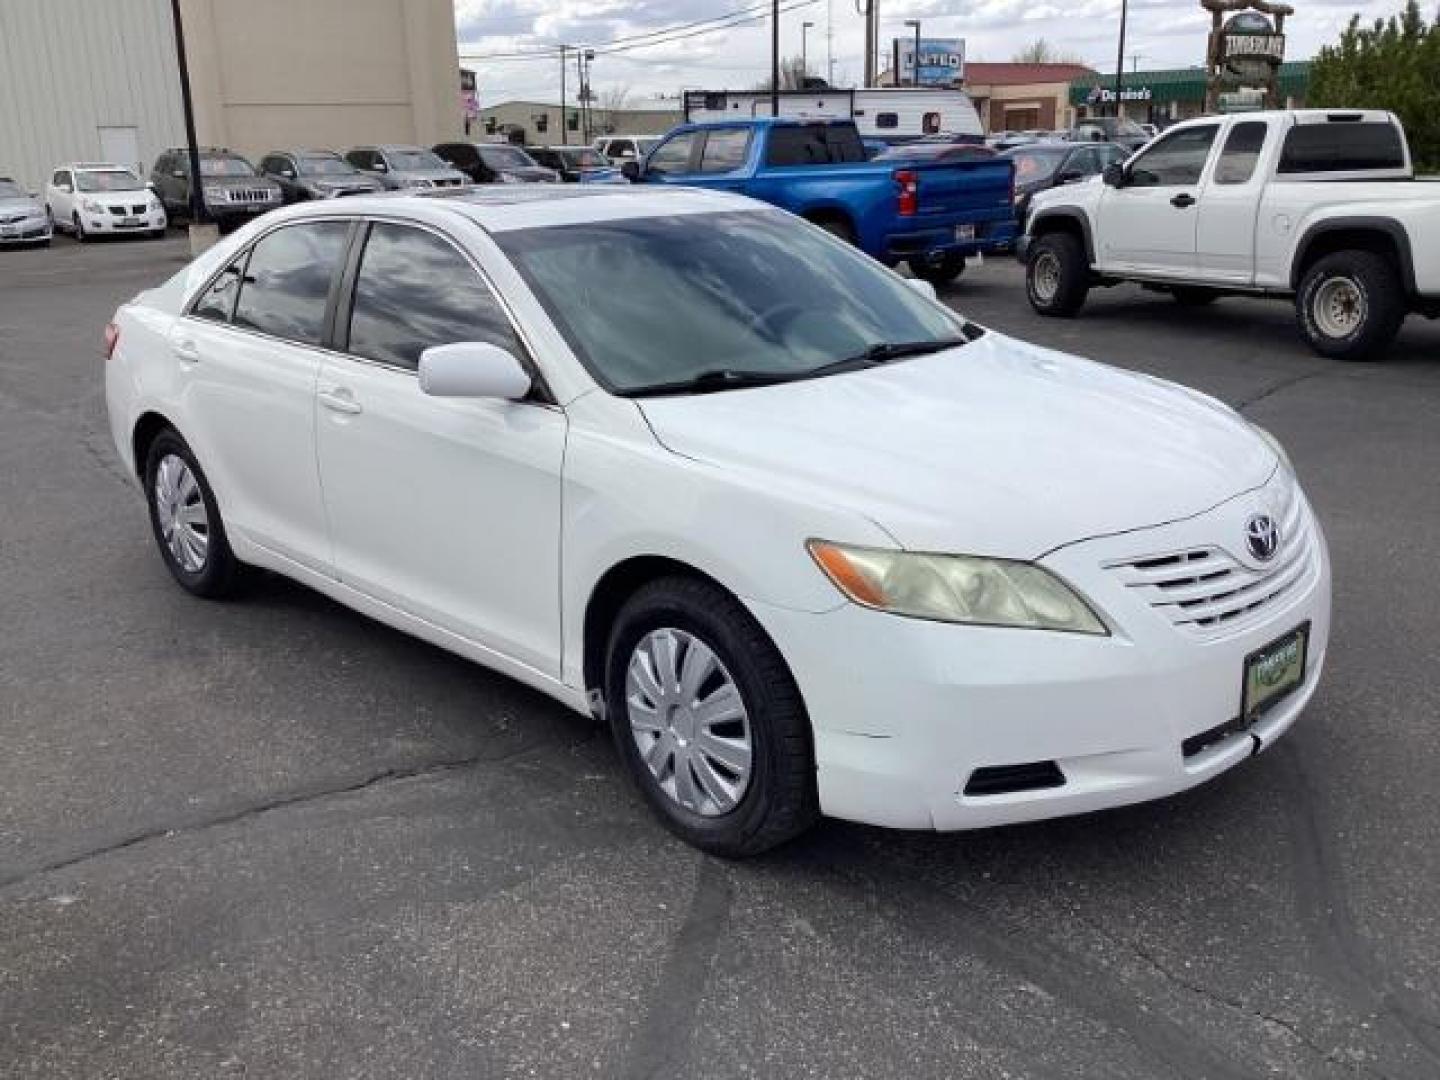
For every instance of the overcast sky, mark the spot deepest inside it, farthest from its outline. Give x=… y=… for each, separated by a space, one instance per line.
x=1162 y=33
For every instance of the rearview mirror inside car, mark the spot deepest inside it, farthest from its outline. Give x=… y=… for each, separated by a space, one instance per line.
x=1114 y=174
x=472 y=369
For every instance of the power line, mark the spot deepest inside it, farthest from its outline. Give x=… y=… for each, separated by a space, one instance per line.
x=629 y=38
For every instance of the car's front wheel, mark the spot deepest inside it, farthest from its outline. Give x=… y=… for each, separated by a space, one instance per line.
x=1350 y=305
x=186 y=520
x=708 y=720
x=1057 y=278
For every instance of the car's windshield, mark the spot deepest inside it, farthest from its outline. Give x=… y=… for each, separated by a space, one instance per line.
x=660 y=300
x=414 y=160
x=506 y=157
x=583 y=159
x=107 y=180
x=216 y=165
x=10 y=191
x=325 y=165
x=1035 y=166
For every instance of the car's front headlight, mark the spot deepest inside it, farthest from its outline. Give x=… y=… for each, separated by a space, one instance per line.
x=1274 y=444
x=215 y=194
x=153 y=205
x=90 y=206
x=955 y=588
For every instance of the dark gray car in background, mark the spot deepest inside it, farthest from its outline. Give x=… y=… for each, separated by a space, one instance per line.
x=316 y=174
x=233 y=191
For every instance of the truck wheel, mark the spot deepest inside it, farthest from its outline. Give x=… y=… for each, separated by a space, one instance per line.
x=1190 y=296
x=1057 y=278
x=938 y=269
x=1351 y=305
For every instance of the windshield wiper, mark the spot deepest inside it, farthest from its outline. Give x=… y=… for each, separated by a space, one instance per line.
x=885 y=351
x=708 y=382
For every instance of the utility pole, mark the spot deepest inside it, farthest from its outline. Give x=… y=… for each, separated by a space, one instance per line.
x=775 y=58
x=1120 y=56
x=867 y=8
x=805 y=51
x=830 y=42
x=564 y=127
x=198 y=215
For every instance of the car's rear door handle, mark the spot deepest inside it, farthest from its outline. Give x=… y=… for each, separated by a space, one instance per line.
x=186 y=351
x=1183 y=200
x=340 y=400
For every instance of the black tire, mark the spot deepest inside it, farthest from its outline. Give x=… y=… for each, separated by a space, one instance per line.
x=1193 y=296
x=1374 y=291
x=938 y=269
x=157 y=234
x=780 y=801
x=79 y=227
x=837 y=227
x=1063 y=253
x=221 y=573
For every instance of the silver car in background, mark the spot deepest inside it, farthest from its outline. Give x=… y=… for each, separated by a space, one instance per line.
x=22 y=216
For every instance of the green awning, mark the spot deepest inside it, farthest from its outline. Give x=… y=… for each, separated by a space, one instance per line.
x=1178 y=84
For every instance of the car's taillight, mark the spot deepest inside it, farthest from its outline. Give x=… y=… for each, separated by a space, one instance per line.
x=909 y=199
x=112 y=338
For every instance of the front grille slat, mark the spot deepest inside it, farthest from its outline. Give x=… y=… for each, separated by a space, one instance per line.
x=1205 y=590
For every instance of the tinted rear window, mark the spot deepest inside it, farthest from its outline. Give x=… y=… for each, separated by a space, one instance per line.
x=1341 y=147
x=814 y=144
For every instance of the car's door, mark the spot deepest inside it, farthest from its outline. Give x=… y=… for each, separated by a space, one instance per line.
x=446 y=508
x=1148 y=225
x=247 y=355
x=675 y=160
x=1230 y=205
x=723 y=155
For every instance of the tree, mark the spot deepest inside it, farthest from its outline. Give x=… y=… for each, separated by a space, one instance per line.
x=610 y=104
x=1393 y=64
x=1041 y=51
x=792 y=75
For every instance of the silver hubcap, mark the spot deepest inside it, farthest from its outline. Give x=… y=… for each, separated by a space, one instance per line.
x=1045 y=276
x=1339 y=307
x=688 y=722
x=180 y=508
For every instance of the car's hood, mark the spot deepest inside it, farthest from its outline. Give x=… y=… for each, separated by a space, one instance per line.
x=428 y=174
x=357 y=182
x=993 y=448
x=132 y=197
x=602 y=175
x=531 y=173
x=230 y=182
x=22 y=204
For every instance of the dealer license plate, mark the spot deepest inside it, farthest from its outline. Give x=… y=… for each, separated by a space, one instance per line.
x=964 y=232
x=130 y=222
x=1273 y=673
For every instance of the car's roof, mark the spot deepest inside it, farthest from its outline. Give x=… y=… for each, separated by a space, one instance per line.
x=504 y=208
x=96 y=166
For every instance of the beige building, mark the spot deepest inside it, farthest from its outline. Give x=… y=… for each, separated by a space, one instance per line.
x=538 y=123
x=92 y=80
x=1023 y=97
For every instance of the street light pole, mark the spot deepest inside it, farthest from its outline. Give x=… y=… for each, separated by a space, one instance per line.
x=1120 y=56
x=775 y=58
x=915 y=57
x=197 y=192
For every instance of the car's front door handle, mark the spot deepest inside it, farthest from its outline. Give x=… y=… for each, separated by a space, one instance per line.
x=186 y=351
x=339 y=400
x=1183 y=200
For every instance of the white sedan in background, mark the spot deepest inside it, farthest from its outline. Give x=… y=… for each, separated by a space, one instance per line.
x=809 y=541
x=97 y=199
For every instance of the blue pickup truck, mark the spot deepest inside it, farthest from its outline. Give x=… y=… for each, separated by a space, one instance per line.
x=930 y=214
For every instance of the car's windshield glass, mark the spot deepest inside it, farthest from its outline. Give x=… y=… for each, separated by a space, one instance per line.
x=506 y=157
x=107 y=180
x=10 y=191
x=660 y=300
x=583 y=159
x=414 y=160
x=215 y=165
x=1033 y=166
x=325 y=165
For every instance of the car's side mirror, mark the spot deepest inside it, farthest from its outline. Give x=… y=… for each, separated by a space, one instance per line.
x=178 y=174
x=472 y=369
x=1114 y=175
x=923 y=287
x=150 y=185
x=288 y=174
x=380 y=166
x=630 y=169
x=1069 y=176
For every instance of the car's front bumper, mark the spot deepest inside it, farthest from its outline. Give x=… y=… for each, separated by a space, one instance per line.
x=905 y=711
x=931 y=241
x=29 y=232
x=107 y=223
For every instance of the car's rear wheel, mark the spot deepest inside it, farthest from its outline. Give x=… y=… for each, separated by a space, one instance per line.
x=939 y=269
x=1057 y=278
x=708 y=720
x=1193 y=296
x=186 y=520
x=1350 y=305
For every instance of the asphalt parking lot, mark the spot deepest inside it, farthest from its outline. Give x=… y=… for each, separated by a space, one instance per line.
x=271 y=838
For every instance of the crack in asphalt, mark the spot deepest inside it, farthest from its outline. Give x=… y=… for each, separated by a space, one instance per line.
x=1277 y=387
x=388 y=775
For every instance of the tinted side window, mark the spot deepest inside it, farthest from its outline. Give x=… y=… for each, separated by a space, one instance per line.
x=58 y=179
x=1341 y=147
x=414 y=290
x=725 y=150
x=887 y=120
x=1174 y=160
x=673 y=155
x=814 y=144
x=287 y=281
x=1241 y=152
x=218 y=301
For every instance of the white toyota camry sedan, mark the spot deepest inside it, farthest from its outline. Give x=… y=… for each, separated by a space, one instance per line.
x=807 y=540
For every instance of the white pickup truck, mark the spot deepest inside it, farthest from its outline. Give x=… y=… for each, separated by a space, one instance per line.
x=1316 y=205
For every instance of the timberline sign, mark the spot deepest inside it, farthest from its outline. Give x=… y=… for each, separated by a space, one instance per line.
x=1245 y=51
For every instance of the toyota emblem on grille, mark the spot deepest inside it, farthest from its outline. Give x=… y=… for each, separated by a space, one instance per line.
x=1262 y=537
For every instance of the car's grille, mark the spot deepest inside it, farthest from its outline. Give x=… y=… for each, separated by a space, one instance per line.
x=14 y=219
x=246 y=195
x=1206 y=590
x=124 y=211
